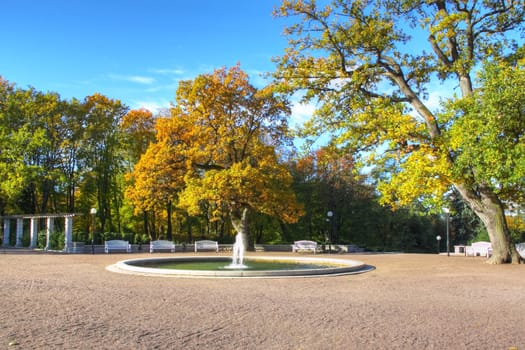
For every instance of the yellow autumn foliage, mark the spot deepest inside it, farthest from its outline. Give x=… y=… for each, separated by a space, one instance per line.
x=219 y=147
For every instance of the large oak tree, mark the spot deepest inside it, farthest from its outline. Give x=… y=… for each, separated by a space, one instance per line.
x=223 y=136
x=371 y=67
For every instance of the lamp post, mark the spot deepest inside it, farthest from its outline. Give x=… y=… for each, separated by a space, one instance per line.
x=330 y=214
x=93 y=212
x=447 y=214
x=438 y=239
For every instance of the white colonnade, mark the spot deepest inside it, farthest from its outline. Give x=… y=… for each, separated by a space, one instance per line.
x=33 y=229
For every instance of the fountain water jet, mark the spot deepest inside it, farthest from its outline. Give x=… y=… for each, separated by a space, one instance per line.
x=238 y=254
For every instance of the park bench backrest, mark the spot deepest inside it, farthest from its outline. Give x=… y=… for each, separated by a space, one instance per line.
x=304 y=245
x=206 y=245
x=161 y=244
x=117 y=244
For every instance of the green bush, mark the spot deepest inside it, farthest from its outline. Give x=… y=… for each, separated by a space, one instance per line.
x=481 y=236
x=56 y=240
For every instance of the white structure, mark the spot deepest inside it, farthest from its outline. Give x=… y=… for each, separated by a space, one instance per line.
x=117 y=244
x=161 y=245
x=304 y=245
x=206 y=245
x=33 y=229
x=479 y=248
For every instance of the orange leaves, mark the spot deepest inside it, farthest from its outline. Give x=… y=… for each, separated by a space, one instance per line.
x=156 y=178
x=138 y=129
x=138 y=121
x=217 y=147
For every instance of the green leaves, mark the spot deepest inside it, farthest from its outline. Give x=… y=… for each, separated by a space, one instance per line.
x=54 y=152
x=370 y=66
x=487 y=136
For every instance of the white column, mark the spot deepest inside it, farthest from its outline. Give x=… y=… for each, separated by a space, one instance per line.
x=19 y=231
x=49 y=229
x=7 y=228
x=33 y=233
x=68 y=233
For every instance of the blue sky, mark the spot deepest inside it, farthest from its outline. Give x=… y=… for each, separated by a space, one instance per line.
x=134 y=50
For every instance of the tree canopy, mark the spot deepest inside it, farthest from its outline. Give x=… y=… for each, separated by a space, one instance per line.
x=221 y=141
x=372 y=66
x=60 y=155
x=487 y=130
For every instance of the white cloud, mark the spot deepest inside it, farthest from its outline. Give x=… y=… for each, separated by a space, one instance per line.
x=438 y=95
x=167 y=71
x=301 y=112
x=133 y=79
x=142 y=80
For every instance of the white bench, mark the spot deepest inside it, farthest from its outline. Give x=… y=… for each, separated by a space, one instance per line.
x=117 y=244
x=161 y=245
x=304 y=245
x=479 y=248
x=206 y=245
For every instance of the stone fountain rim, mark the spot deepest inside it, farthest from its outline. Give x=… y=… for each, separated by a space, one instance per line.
x=344 y=267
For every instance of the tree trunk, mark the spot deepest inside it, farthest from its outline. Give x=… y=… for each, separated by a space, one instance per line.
x=239 y=219
x=153 y=231
x=169 y=235
x=285 y=232
x=145 y=223
x=490 y=210
x=189 y=232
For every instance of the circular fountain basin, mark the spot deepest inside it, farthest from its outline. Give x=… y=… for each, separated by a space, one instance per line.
x=282 y=267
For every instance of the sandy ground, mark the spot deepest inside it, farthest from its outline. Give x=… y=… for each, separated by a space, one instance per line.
x=407 y=302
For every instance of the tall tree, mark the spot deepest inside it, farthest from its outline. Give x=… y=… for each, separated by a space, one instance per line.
x=225 y=132
x=45 y=117
x=32 y=131
x=101 y=154
x=327 y=181
x=156 y=180
x=371 y=65
x=13 y=168
x=138 y=129
x=73 y=121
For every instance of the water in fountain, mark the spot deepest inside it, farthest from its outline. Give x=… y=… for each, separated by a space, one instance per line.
x=238 y=254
